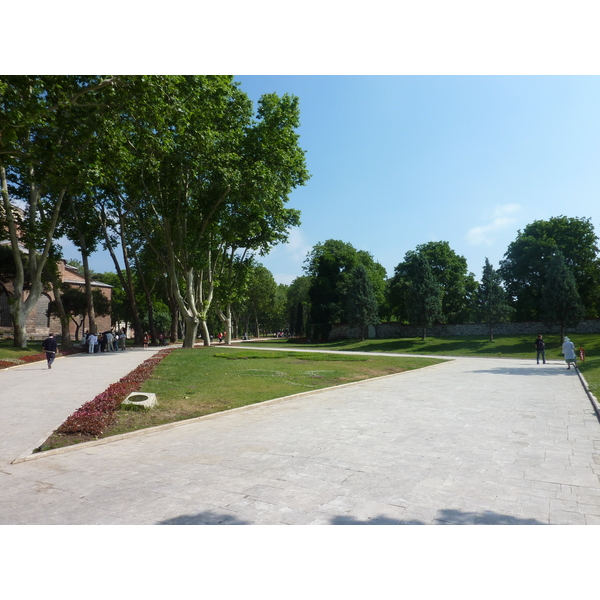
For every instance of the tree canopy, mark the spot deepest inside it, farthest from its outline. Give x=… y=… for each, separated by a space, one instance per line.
x=492 y=301
x=527 y=259
x=561 y=302
x=449 y=270
x=329 y=266
x=186 y=160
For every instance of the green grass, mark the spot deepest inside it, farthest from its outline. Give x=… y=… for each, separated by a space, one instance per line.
x=8 y=350
x=193 y=383
x=511 y=346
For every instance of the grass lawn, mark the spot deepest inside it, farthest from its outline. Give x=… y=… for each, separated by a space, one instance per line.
x=192 y=383
x=508 y=346
x=8 y=350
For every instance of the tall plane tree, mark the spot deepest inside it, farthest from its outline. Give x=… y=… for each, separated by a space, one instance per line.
x=209 y=160
x=46 y=123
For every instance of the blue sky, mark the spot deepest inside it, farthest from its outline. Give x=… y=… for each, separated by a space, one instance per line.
x=398 y=161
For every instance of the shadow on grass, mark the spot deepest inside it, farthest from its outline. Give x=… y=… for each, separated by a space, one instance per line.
x=443 y=517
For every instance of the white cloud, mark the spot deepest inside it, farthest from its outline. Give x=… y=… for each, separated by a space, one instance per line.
x=484 y=234
x=297 y=247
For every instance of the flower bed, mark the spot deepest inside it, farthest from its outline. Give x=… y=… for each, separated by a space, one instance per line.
x=97 y=414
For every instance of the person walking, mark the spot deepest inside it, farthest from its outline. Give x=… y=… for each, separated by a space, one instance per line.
x=540 y=347
x=123 y=339
x=568 y=349
x=51 y=348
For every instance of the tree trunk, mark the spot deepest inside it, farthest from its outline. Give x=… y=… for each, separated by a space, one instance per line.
x=205 y=332
x=65 y=319
x=191 y=327
x=491 y=334
x=19 y=308
x=86 y=270
x=149 y=305
x=424 y=332
x=19 y=329
x=226 y=319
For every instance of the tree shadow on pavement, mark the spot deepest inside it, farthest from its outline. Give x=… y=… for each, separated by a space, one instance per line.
x=206 y=517
x=443 y=517
x=527 y=371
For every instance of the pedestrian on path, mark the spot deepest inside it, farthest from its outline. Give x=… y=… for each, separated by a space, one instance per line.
x=92 y=340
x=51 y=348
x=540 y=347
x=568 y=349
x=123 y=339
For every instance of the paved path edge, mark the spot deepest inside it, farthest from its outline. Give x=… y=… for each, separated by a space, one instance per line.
x=28 y=456
x=591 y=396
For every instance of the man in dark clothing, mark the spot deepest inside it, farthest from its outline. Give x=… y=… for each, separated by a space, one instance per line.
x=51 y=347
x=540 y=345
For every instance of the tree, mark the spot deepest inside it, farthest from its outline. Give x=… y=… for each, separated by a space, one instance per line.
x=298 y=305
x=525 y=265
x=211 y=165
x=46 y=124
x=561 y=302
x=457 y=286
x=75 y=304
x=362 y=308
x=329 y=265
x=426 y=296
x=260 y=299
x=492 y=302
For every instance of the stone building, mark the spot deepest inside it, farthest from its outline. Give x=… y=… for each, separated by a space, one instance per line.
x=38 y=323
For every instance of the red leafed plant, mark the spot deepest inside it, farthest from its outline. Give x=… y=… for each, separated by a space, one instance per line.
x=97 y=414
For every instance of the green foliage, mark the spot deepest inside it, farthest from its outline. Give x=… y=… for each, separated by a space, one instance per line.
x=329 y=265
x=426 y=295
x=526 y=262
x=362 y=308
x=561 y=302
x=492 y=301
x=298 y=305
x=449 y=270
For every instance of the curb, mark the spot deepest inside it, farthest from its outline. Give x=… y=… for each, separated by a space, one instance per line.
x=591 y=396
x=26 y=456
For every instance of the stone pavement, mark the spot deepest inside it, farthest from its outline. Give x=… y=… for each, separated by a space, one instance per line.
x=470 y=441
x=35 y=400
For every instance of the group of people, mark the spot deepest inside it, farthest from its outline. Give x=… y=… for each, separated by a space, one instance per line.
x=107 y=341
x=568 y=350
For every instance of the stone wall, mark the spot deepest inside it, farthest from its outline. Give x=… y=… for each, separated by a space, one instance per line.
x=400 y=330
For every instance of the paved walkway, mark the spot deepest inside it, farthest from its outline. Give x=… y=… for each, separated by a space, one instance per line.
x=469 y=441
